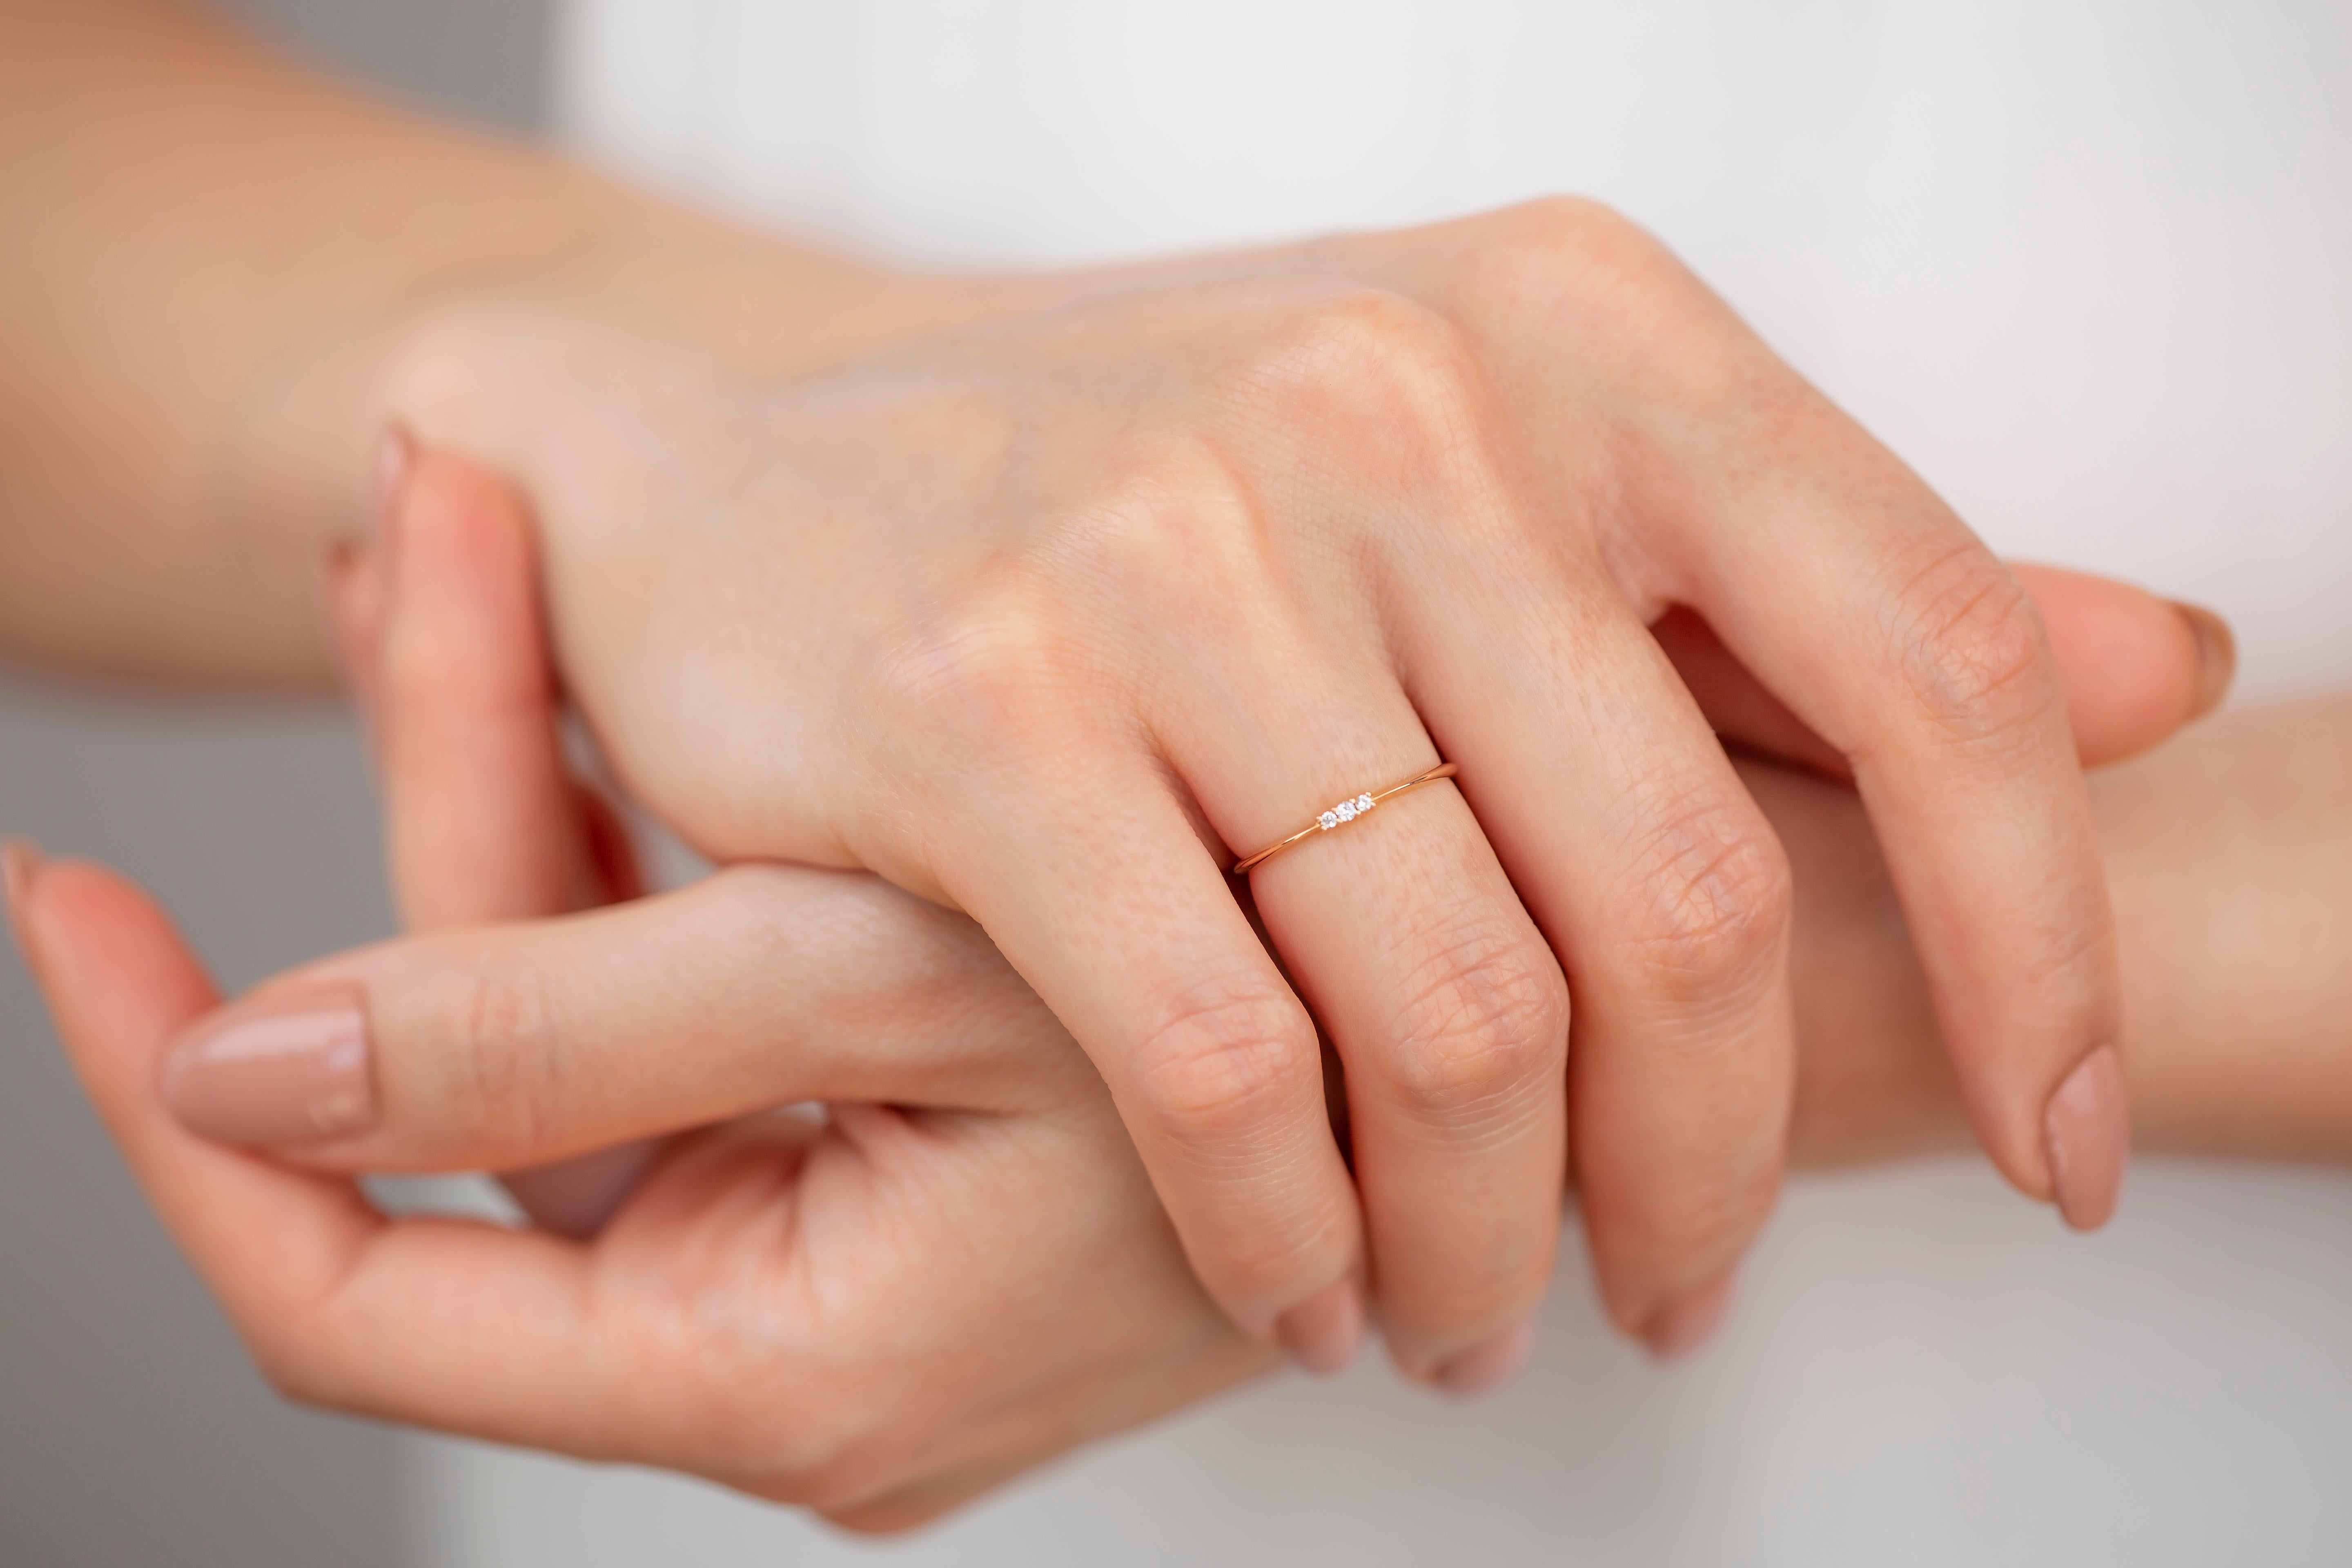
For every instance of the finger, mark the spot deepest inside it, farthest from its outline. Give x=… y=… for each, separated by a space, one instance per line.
x=484 y=822
x=1654 y=876
x=1893 y=634
x=524 y=1043
x=1408 y=943
x=1130 y=932
x=430 y=1321
x=2134 y=669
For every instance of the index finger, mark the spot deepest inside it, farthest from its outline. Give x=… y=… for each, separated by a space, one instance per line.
x=1893 y=632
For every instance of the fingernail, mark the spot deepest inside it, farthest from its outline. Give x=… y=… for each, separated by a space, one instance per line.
x=286 y=1068
x=1688 y=1321
x=2217 y=656
x=1323 y=1332
x=1476 y=1372
x=395 y=454
x=2087 y=1135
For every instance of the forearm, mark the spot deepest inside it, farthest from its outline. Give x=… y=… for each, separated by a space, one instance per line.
x=2230 y=855
x=212 y=253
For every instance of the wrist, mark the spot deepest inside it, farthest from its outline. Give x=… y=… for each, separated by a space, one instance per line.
x=596 y=263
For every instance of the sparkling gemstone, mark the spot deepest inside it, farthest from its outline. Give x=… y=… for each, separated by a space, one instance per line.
x=1346 y=811
x=1363 y=803
x=1328 y=820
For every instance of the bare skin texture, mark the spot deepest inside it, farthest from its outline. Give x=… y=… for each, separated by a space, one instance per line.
x=885 y=1317
x=1043 y=597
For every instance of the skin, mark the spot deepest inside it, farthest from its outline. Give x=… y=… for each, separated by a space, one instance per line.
x=1045 y=597
x=794 y=1310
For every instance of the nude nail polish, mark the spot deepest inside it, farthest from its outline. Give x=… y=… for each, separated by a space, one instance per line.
x=291 y=1067
x=2086 y=1133
x=1491 y=1363
x=2217 y=656
x=1323 y=1332
x=1688 y=1321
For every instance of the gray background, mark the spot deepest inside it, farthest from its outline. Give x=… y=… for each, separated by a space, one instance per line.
x=132 y=1430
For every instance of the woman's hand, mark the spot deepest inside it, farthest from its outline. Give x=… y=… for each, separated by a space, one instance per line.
x=1051 y=619
x=956 y=1275
x=1152 y=576
x=879 y=1315
x=743 y=1316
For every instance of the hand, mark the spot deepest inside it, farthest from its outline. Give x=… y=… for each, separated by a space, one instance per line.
x=817 y=1366
x=1048 y=619
x=959 y=1274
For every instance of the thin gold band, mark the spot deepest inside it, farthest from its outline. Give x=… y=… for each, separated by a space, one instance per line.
x=1345 y=812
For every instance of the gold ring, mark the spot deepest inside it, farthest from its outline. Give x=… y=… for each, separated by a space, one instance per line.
x=1347 y=810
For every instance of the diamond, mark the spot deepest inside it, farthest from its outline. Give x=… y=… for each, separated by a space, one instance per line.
x=1328 y=821
x=1363 y=803
x=1345 y=811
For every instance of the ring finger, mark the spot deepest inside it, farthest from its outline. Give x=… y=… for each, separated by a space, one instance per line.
x=1449 y=1011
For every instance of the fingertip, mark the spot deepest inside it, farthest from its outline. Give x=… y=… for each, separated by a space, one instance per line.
x=1491 y=1365
x=2217 y=656
x=1683 y=1326
x=1323 y=1333
x=2087 y=1140
x=2134 y=666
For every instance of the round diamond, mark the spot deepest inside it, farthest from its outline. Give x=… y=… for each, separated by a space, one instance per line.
x=1345 y=810
x=1328 y=820
x=1363 y=803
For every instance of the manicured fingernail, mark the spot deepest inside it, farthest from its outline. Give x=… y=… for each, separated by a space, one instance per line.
x=2217 y=656
x=1323 y=1332
x=394 y=454
x=291 y=1067
x=1476 y=1372
x=20 y=861
x=1688 y=1321
x=2087 y=1135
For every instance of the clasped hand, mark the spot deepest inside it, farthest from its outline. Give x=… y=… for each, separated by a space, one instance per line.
x=1050 y=617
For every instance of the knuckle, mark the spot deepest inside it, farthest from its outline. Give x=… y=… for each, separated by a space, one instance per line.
x=1562 y=248
x=1971 y=647
x=996 y=688
x=1379 y=363
x=980 y=665
x=1176 y=528
x=1711 y=897
x=493 y=1058
x=1572 y=228
x=1480 y=1023
x=1226 y=1059
x=1592 y=277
